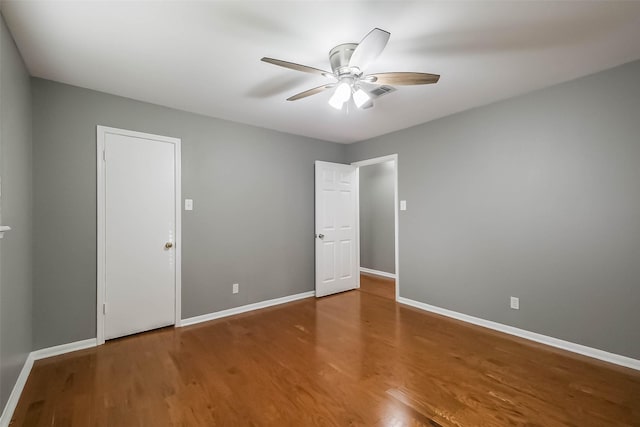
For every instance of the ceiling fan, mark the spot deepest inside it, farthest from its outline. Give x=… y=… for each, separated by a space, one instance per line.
x=348 y=63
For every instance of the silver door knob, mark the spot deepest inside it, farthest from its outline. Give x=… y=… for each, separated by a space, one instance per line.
x=168 y=245
x=321 y=236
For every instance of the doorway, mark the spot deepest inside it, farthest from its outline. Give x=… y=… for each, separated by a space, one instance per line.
x=139 y=227
x=378 y=226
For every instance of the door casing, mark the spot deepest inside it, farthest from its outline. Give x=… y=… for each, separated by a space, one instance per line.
x=102 y=131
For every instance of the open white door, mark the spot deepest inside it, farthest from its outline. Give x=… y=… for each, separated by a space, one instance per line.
x=336 y=262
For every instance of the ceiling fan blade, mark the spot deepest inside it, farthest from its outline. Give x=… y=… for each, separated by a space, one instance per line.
x=369 y=48
x=297 y=67
x=402 y=78
x=310 y=92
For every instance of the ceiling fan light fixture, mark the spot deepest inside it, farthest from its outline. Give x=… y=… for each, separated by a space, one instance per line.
x=340 y=96
x=360 y=97
x=349 y=62
x=335 y=102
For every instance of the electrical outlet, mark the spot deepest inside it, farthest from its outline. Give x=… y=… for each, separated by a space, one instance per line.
x=515 y=303
x=236 y=288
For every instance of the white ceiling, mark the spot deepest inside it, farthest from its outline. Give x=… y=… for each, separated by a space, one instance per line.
x=204 y=57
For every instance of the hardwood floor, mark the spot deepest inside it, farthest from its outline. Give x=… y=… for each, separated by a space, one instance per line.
x=378 y=285
x=346 y=360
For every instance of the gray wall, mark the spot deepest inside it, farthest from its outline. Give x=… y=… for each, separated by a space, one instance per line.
x=536 y=197
x=252 y=221
x=16 y=255
x=377 y=226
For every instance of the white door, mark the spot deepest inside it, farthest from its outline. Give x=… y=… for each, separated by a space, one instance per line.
x=139 y=225
x=336 y=263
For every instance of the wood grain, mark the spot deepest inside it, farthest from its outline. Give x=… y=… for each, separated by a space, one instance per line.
x=352 y=359
x=296 y=67
x=310 y=92
x=402 y=78
x=378 y=285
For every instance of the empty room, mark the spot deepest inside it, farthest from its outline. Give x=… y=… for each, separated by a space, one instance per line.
x=331 y=213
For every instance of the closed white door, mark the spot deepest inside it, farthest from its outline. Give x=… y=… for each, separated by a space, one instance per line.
x=336 y=263
x=139 y=245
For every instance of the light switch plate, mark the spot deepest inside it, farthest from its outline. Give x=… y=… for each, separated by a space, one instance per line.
x=403 y=205
x=188 y=204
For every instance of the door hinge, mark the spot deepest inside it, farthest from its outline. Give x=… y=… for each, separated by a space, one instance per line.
x=104 y=155
x=104 y=308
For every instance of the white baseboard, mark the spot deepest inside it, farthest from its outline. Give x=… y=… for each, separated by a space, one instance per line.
x=64 y=348
x=533 y=336
x=244 y=308
x=377 y=272
x=14 y=397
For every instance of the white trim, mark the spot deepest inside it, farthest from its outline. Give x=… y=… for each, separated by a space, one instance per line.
x=64 y=348
x=377 y=272
x=101 y=131
x=376 y=160
x=396 y=223
x=532 y=336
x=178 y=246
x=358 y=222
x=4 y=228
x=14 y=397
x=101 y=237
x=18 y=387
x=245 y=308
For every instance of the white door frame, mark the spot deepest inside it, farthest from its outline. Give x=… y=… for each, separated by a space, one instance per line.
x=358 y=165
x=102 y=131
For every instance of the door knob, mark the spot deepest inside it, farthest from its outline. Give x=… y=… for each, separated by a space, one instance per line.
x=321 y=236
x=168 y=245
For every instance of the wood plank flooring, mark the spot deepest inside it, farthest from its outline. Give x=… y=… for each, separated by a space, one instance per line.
x=378 y=285
x=352 y=359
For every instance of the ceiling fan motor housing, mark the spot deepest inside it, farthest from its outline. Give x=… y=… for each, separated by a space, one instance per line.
x=339 y=58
